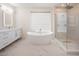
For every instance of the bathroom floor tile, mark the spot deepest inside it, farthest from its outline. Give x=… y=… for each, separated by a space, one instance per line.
x=23 y=47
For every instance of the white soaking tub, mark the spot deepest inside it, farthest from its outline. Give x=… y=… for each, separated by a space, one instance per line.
x=40 y=37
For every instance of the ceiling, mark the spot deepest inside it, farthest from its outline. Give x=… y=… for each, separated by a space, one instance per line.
x=42 y=5
x=30 y=5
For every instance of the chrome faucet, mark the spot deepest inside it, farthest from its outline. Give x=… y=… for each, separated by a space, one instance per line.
x=40 y=29
x=8 y=27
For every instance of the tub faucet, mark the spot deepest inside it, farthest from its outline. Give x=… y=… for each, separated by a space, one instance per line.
x=40 y=29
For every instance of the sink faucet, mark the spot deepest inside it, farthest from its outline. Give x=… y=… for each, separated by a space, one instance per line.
x=8 y=27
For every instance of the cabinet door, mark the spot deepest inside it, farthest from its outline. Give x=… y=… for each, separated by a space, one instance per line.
x=12 y=36
x=18 y=34
x=4 y=39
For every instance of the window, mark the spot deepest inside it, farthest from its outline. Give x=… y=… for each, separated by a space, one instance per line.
x=41 y=22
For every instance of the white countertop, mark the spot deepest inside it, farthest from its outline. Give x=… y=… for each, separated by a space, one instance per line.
x=7 y=29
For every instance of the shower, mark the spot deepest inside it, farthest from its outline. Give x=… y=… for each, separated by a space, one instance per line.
x=68 y=13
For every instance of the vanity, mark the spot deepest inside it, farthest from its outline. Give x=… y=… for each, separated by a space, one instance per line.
x=8 y=30
x=7 y=36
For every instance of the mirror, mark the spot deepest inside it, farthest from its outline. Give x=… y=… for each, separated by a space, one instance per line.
x=7 y=16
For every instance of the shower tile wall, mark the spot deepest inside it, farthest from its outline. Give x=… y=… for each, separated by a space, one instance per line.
x=73 y=29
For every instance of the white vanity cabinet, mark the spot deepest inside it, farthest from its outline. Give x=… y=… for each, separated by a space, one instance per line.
x=4 y=38
x=7 y=37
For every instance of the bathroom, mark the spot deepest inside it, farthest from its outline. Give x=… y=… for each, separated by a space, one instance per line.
x=39 y=29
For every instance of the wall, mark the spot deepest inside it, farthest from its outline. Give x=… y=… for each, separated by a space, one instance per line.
x=23 y=16
x=73 y=23
x=22 y=19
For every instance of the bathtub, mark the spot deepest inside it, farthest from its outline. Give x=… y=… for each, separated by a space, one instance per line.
x=40 y=37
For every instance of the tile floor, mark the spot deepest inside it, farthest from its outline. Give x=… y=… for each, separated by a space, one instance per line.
x=23 y=47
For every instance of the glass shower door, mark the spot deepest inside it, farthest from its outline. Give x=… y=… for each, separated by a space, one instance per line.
x=61 y=27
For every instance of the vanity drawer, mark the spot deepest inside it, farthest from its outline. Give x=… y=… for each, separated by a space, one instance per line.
x=4 y=37
x=8 y=37
x=4 y=34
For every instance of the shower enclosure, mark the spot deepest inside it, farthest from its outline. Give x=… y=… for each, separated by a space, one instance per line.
x=73 y=30
x=61 y=25
x=67 y=27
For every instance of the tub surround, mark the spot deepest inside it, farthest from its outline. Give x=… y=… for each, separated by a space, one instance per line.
x=7 y=36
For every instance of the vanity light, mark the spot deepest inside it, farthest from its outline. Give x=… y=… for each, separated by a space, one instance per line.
x=7 y=15
x=6 y=9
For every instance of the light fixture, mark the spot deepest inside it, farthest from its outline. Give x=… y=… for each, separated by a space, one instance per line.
x=68 y=6
x=6 y=9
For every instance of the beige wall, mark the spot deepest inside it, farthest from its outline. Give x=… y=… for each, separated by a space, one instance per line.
x=22 y=19
x=23 y=16
x=73 y=21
